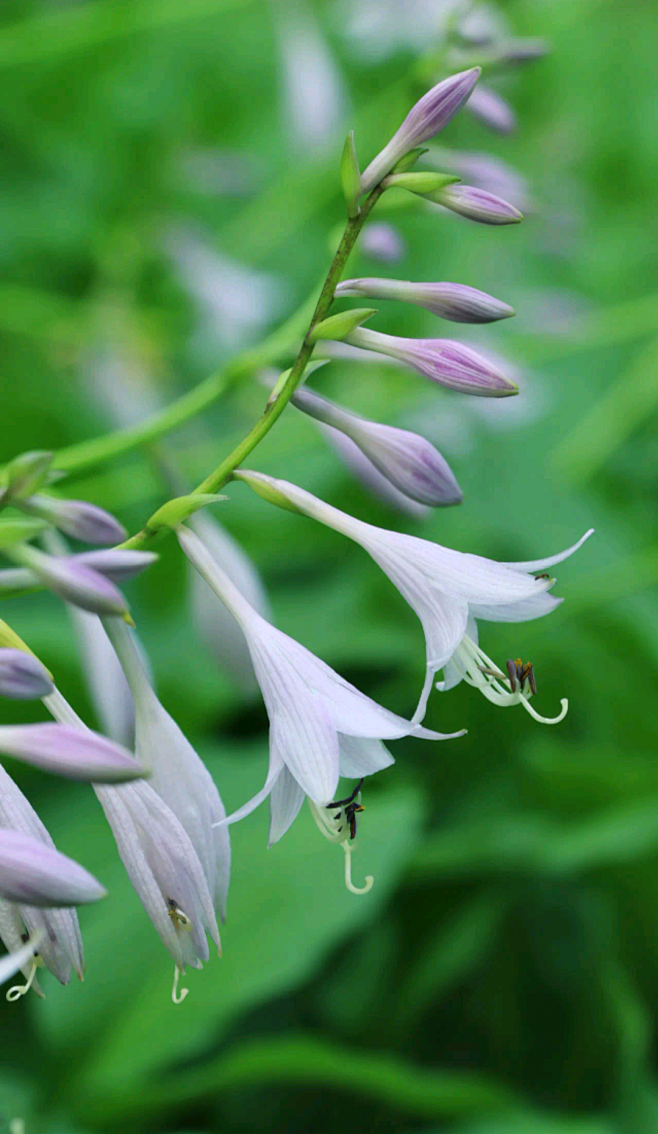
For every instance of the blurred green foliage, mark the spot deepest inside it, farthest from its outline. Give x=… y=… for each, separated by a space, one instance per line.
x=502 y=976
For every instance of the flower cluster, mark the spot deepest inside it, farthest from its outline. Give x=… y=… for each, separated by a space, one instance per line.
x=158 y=797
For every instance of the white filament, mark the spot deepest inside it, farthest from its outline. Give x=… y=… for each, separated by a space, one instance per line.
x=328 y=826
x=18 y=990
x=479 y=671
x=176 y=996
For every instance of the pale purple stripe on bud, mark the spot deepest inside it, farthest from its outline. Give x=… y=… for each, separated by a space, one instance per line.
x=382 y=241
x=116 y=563
x=449 y=363
x=484 y=171
x=73 y=581
x=492 y=110
x=76 y=518
x=367 y=475
x=35 y=874
x=22 y=676
x=75 y=753
x=408 y=461
x=457 y=302
x=430 y=114
x=477 y=204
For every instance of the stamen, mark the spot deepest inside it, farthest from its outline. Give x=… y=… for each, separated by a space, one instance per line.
x=19 y=990
x=176 y=996
x=564 y=703
x=480 y=672
x=348 y=874
x=178 y=916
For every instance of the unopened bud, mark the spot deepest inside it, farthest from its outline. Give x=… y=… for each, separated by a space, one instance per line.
x=430 y=114
x=76 y=518
x=72 y=581
x=27 y=473
x=350 y=176
x=477 y=205
x=22 y=676
x=457 y=302
x=420 y=182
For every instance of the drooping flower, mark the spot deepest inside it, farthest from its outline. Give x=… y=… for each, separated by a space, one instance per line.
x=430 y=114
x=407 y=460
x=321 y=727
x=22 y=676
x=449 y=363
x=457 y=302
x=448 y=590
x=177 y=773
x=61 y=943
x=77 y=518
x=33 y=873
x=161 y=863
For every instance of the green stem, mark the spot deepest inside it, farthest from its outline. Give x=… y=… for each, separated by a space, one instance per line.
x=223 y=473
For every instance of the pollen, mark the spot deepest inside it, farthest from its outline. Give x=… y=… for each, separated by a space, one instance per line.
x=177 y=915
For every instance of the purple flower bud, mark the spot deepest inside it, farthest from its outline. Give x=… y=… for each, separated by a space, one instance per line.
x=367 y=475
x=408 y=461
x=433 y=111
x=77 y=518
x=492 y=110
x=35 y=874
x=477 y=204
x=75 y=753
x=116 y=563
x=383 y=242
x=22 y=676
x=484 y=171
x=457 y=302
x=521 y=50
x=72 y=581
x=449 y=363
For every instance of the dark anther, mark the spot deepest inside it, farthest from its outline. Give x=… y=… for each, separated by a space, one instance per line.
x=520 y=674
x=351 y=807
x=544 y=576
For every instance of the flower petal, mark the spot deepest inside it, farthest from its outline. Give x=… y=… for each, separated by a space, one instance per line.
x=534 y=607
x=285 y=801
x=551 y=560
x=361 y=756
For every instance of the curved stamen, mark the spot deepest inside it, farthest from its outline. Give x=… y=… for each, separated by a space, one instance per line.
x=546 y=720
x=479 y=671
x=369 y=883
x=176 y=996
x=18 y=990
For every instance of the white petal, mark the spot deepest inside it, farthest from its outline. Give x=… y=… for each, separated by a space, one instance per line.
x=275 y=770
x=285 y=801
x=551 y=560
x=305 y=736
x=21 y=959
x=361 y=756
x=523 y=611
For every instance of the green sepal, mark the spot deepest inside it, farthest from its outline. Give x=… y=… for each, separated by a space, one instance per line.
x=283 y=378
x=174 y=512
x=409 y=159
x=350 y=176
x=17 y=531
x=339 y=326
x=27 y=473
x=422 y=183
x=266 y=491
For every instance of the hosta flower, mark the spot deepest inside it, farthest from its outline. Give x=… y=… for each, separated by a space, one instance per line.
x=71 y=580
x=457 y=302
x=77 y=518
x=36 y=874
x=476 y=204
x=22 y=676
x=67 y=752
x=449 y=363
x=430 y=114
x=363 y=470
x=492 y=109
x=61 y=943
x=114 y=563
x=177 y=773
x=448 y=590
x=14 y=962
x=161 y=863
x=408 y=461
x=104 y=678
x=321 y=727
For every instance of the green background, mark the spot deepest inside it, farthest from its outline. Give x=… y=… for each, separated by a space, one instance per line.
x=502 y=976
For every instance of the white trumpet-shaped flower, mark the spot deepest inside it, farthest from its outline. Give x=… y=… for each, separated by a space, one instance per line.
x=60 y=941
x=448 y=590
x=321 y=727
x=177 y=773
x=160 y=861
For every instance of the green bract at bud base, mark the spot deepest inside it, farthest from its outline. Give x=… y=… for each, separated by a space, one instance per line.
x=409 y=159
x=420 y=182
x=339 y=326
x=17 y=531
x=350 y=176
x=27 y=472
x=283 y=378
x=263 y=487
x=174 y=512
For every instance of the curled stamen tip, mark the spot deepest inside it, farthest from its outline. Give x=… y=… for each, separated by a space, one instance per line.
x=564 y=709
x=369 y=881
x=176 y=996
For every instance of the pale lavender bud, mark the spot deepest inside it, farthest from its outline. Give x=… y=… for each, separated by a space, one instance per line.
x=449 y=363
x=408 y=461
x=430 y=114
x=477 y=204
x=484 y=171
x=77 y=518
x=367 y=475
x=492 y=110
x=22 y=676
x=117 y=563
x=457 y=302
x=72 y=581
x=35 y=874
x=382 y=242
x=76 y=754
x=521 y=50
